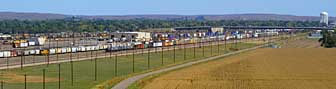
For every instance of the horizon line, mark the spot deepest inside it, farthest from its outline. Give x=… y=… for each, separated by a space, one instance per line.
x=157 y=14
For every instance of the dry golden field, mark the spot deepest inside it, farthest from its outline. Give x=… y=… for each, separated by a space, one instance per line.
x=301 y=42
x=285 y=68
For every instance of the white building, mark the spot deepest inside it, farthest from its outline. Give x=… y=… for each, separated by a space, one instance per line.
x=324 y=19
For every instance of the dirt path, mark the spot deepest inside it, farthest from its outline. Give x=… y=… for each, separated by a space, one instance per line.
x=125 y=83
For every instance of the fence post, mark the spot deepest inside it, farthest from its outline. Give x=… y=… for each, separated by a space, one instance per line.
x=194 y=50
x=7 y=63
x=25 y=81
x=116 y=64
x=95 y=68
x=72 y=73
x=21 y=64
x=210 y=48
x=133 y=59
x=48 y=55
x=217 y=45
x=91 y=55
x=162 y=56
x=203 y=48
x=155 y=49
x=225 y=43
x=59 y=76
x=174 y=53
x=142 y=51
x=33 y=59
x=43 y=79
x=56 y=50
x=2 y=84
x=148 y=59
x=184 y=54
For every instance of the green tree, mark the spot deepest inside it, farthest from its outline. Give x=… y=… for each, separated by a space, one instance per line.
x=328 y=40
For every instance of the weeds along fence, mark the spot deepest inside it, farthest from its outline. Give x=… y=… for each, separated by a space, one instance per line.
x=99 y=66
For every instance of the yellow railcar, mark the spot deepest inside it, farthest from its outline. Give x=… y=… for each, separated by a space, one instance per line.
x=45 y=52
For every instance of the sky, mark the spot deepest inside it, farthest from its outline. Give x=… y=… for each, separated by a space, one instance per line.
x=171 y=7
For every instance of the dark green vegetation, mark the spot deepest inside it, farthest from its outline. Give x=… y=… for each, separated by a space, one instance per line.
x=84 y=71
x=329 y=39
x=64 y=25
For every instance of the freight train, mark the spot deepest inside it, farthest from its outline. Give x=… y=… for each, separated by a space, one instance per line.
x=107 y=47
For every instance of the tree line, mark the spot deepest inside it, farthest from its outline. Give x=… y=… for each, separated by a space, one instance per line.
x=65 y=25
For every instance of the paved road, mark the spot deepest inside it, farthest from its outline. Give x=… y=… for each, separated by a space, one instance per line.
x=125 y=83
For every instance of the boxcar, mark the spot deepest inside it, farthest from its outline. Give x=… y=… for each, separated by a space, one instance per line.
x=2 y=55
x=13 y=53
x=44 y=52
x=74 y=49
x=96 y=48
x=64 y=50
x=26 y=53
x=37 y=52
x=68 y=49
x=32 y=52
x=52 y=51
x=82 y=49
x=105 y=46
x=31 y=43
x=88 y=48
x=7 y=54
x=58 y=50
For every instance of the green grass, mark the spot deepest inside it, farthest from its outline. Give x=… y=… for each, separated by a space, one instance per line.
x=84 y=70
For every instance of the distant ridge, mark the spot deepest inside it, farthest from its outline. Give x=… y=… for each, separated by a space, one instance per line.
x=30 y=16
x=49 y=16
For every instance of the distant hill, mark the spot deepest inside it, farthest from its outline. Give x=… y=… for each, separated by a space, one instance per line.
x=214 y=17
x=30 y=16
x=45 y=16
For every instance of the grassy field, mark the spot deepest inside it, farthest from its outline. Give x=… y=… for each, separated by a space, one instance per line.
x=300 y=42
x=84 y=71
x=300 y=67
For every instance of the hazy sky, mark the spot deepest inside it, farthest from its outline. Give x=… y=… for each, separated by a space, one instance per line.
x=181 y=7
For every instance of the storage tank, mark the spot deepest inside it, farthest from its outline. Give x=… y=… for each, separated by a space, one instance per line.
x=324 y=19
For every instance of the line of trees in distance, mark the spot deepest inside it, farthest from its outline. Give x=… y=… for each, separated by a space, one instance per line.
x=66 y=25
